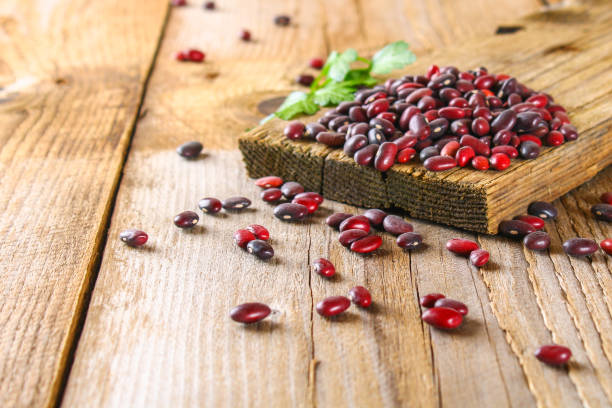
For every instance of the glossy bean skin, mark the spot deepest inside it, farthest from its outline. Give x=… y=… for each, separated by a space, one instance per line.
x=536 y=222
x=235 y=203
x=190 y=150
x=430 y=299
x=578 y=247
x=452 y=304
x=250 y=312
x=553 y=354
x=291 y=188
x=271 y=195
x=311 y=204
x=542 y=209
x=479 y=257
x=259 y=231
x=602 y=211
x=537 y=241
x=269 y=182
x=367 y=244
x=242 y=237
x=461 y=246
x=396 y=225
x=186 y=219
x=375 y=216
x=333 y=306
x=442 y=317
x=385 y=156
x=365 y=155
x=336 y=219
x=515 y=228
x=210 y=205
x=290 y=212
x=134 y=237
x=360 y=296
x=324 y=267
x=440 y=163
x=606 y=245
x=355 y=222
x=409 y=240
x=260 y=248
x=347 y=237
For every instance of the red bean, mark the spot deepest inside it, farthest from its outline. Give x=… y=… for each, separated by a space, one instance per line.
x=606 y=245
x=186 y=219
x=336 y=219
x=291 y=188
x=499 y=161
x=331 y=139
x=419 y=126
x=440 y=163
x=479 y=257
x=529 y=150
x=324 y=267
x=261 y=249
x=385 y=156
x=282 y=20
x=536 y=222
x=606 y=197
x=504 y=121
x=554 y=138
x=569 y=132
x=354 y=144
x=269 y=182
x=480 y=163
x=190 y=150
x=485 y=82
x=365 y=155
x=259 y=231
x=509 y=151
x=318 y=198
x=409 y=240
x=580 y=247
x=480 y=126
x=553 y=354
x=408 y=140
x=313 y=129
x=195 y=55
x=461 y=246
x=376 y=107
x=333 y=305
x=134 y=237
x=210 y=205
x=464 y=155
x=271 y=195
x=442 y=317
x=542 y=209
x=355 y=222
x=452 y=304
x=451 y=113
x=476 y=144
x=360 y=296
x=530 y=138
x=405 y=155
x=396 y=225
x=450 y=149
x=537 y=240
x=235 y=203
x=347 y=237
x=316 y=63
x=515 y=228
x=375 y=216
x=602 y=211
x=427 y=152
x=250 y=312
x=430 y=299
x=304 y=79
x=310 y=204
x=290 y=212
x=242 y=237
x=367 y=244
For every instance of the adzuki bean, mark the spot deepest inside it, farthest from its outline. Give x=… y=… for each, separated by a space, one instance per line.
x=250 y=312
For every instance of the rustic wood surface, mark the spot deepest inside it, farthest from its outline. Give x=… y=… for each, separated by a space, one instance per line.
x=157 y=331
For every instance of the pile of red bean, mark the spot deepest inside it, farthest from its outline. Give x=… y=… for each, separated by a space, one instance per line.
x=450 y=118
x=355 y=230
x=302 y=203
x=468 y=248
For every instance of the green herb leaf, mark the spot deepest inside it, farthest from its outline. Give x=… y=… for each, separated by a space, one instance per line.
x=296 y=103
x=333 y=94
x=394 y=56
x=340 y=65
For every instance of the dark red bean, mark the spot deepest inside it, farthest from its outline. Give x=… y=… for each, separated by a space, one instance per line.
x=259 y=231
x=294 y=130
x=452 y=304
x=134 y=237
x=460 y=127
x=209 y=5
x=480 y=126
x=485 y=82
x=457 y=103
x=271 y=195
x=318 y=198
x=385 y=156
x=376 y=107
x=442 y=81
x=509 y=151
x=602 y=211
x=542 y=209
x=290 y=212
x=396 y=225
x=448 y=94
x=313 y=129
x=235 y=203
x=367 y=244
x=606 y=197
x=428 y=152
x=419 y=127
x=282 y=20
x=338 y=122
x=415 y=96
x=324 y=267
x=479 y=257
x=409 y=240
x=243 y=236
x=310 y=204
x=347 y=237
x=451 y=113
x=360 y=296
x=606 y=245
x=359 y=129
x=440 y=163
x=503 y=137
x=430 y=299
x=438 y=127
x=450 y=149
x=499 y=161
x=186 y=219
x=464 y=155
x=245 y=35
x=375 y=96
x=354 y=144
x=537 y=240
x=554 y=138
x=210 y=205
x=331 y=139
x=480 y=163
x=291 y=188
x=333 y=305
x=580 y=247
x=190 y=150
x=529 y=150
x=483 y=112
x=504 y=121
x=461 y=246
x=408 y=140
x=365 y=155
x=355 y=222
x=376 y=136
x=405 y=155
x=260 y=249
x=476 y=144
x=569 y=132
x=442 y=317
x=515 y=228
x=375 y=216
x=536 y=222
x=553 y=354
x=336 y=219
x=250 y=312
x=406 y=116
x=269 y=181
x=530 y=138
x=426 y=103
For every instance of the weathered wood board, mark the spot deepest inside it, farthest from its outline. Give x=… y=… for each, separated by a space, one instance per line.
x=571 y=60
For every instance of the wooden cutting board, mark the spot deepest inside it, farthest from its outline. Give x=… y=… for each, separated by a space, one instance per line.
x=566 y=53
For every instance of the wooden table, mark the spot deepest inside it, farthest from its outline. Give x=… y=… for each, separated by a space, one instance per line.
x=93 y=105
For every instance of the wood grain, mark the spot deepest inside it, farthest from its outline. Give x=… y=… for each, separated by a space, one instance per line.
x=158 y=332
x=71 y=79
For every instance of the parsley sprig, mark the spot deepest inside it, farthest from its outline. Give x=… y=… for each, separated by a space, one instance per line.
x=338 y=80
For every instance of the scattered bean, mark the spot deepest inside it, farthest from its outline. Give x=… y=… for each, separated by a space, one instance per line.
x=515 y=228
x=259 y=231
x=580 y=247
x=396 y=225
x=134 y=237
x=542 y=209
x=602 y=212
x=291 y=188
x=461 y=246
x=336 y=219
x=375 y=216
x=333 y=305
x=242 y=237
x=347 y=237
x=250 y=312
x=290 y=212
x=235 y=203
x=190 y=150
x=452 y=304
x=606 y=245
x=186 y=219
x=210 y=205
x=360 y=296
x=536 y=222
x=479 y=257
x=260 y=249
x=430 y=299
x=367 y=244
x=271 y=195
x=442 y=317
x=355 y=222
x=324 y=267
x=553 y=354
x=537 y=241
x=409 y=240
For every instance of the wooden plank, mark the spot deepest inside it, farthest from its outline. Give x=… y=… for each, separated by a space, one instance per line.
x=158 y=333
x=71 y=81
x=475 y=200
